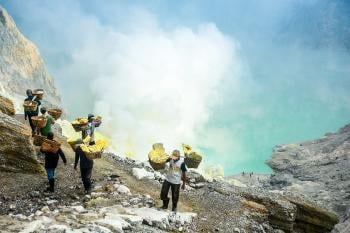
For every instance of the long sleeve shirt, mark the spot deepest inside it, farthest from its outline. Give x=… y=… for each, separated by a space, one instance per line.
x=51 y=159
x=85 y=162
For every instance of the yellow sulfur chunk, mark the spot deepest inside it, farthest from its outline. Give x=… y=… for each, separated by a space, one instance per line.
x=186 y=148
x=158 y=146
x=86 y=139
x=79 y=121
x=194 y=156
x=98 y=147
x=158 y=156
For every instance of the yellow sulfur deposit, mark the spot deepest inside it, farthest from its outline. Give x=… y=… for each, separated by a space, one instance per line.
x=79 y=121
x=86 y=140
x=158 y=146
x=158 y=156
x=186 y=148
x=194 y=156
x=74 y=142
x=97 y=148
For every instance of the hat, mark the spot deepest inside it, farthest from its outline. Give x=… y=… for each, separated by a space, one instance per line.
x=90 y=115
x=175 y=155
x=29 y=92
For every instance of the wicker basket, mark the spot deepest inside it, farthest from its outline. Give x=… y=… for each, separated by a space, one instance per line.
x=38 y=140
x=80 y=127
x=95 y=155
x=50 y=146
x=192 y=163
x=157 y=166
x=74 y=143
x=55 y=113
x=30 y=106
x=38 y=93
x=39 y=121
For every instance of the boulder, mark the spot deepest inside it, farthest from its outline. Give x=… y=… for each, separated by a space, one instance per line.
x=141 y=173
x=292 y=214
x=17 y=153
x=281 y=213
x=311 y=218
x=6 y=106
x=317 y=169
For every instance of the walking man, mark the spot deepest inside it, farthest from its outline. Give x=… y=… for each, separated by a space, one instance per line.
x=29 y=115
x=175 y=174
x=86 y=166
x=50 y=121
x=51 y=161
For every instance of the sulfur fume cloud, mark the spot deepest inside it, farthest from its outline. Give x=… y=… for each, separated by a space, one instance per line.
x=159 y=85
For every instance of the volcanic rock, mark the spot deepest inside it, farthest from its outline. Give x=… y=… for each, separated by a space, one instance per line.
x=6 y=106
x=17 y=153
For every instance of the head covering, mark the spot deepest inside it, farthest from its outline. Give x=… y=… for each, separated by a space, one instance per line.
x=29 y=92
x=43 y=110
x=90 y=115
x=50 y=136
x=175 y=155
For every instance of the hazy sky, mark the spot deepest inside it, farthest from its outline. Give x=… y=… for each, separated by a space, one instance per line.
x=232 y=78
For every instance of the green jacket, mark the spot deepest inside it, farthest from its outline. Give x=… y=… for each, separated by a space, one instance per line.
x=47 y=128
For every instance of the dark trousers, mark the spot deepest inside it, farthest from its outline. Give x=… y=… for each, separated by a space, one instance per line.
x=32 y=126
x=175 y=192
x=86 y=177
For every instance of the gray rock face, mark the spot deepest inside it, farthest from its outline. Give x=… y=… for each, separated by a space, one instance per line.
x=21 y=66
x=17 y=153
x=318 y=169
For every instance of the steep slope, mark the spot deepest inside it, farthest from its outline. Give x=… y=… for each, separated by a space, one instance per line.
x=318 y=169
x=21 y=66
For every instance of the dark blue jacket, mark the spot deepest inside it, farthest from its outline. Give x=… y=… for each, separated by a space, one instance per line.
x=36 y=112
x=51 y=160
x=85 y=162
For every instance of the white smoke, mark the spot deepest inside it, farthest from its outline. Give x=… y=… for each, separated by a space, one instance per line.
x=157 y=85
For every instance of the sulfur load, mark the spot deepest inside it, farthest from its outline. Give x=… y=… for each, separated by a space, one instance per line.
x=187 y=149
x=94 y=151
x=157 y=156
x=158 y=146
x=80 y=121
x=193 y=159
x=194 y=156
x=74 y=142
x=80 y=124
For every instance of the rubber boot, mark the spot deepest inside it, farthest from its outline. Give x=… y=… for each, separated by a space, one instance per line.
x=52 y=185
x=47 y=188
x=174 y=207
x=165 y=204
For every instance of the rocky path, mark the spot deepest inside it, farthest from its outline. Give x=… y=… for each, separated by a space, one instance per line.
x=126 y=196
x=119 y=202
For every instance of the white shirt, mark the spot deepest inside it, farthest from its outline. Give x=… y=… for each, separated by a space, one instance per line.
x=174 y=172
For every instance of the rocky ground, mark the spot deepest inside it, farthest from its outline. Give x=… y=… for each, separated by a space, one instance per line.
x=317 y=169
x=125 y=199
